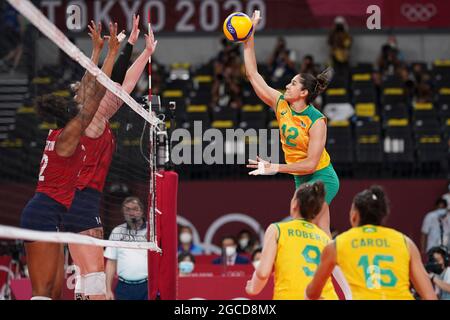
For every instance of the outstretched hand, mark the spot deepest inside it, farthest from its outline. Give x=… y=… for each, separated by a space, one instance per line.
x=135 y=31
x=262 y=167
x=150 y=42
x=256 y=19
x=113 y=41
x=95 y=32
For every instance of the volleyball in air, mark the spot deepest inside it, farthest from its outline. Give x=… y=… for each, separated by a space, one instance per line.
x=237 y=27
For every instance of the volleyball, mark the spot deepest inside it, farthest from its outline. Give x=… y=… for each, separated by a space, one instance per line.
x=237 y=27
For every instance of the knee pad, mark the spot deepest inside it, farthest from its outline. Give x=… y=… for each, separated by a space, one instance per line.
x=79 y=284
x=94 y=284
x=40 y=298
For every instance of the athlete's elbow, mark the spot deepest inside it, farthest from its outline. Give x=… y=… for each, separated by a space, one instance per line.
x=310 y=294
x=263 y=274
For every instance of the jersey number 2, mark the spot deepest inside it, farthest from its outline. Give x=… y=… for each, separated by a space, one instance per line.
x=293 y=134
x=44 y=164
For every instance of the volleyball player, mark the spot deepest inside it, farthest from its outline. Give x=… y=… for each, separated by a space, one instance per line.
x=293 y=248
x=303 y=129
x=84 y=214
x=378 y=262
x=60 y=165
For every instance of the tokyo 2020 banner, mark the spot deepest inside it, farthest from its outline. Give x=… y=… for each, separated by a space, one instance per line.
x=203 y=16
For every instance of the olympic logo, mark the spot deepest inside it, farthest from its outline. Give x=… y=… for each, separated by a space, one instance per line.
x=207 y=244
x=418 y=12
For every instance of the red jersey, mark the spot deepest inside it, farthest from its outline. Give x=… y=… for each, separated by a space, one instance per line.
x=99 y=153
x=57 y=174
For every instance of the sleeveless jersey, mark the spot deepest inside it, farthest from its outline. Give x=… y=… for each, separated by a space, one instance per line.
x=375 y=261
x=58 y=175
x=99 y=153
x=300 y=244
x=294 y=132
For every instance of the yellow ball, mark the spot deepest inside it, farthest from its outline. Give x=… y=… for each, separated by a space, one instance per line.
x=237 y=27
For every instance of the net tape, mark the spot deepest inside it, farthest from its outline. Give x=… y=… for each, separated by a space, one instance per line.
x=8 y=232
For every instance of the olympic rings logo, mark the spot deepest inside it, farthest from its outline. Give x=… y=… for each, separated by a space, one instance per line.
x=207 y=244
x=418 y=12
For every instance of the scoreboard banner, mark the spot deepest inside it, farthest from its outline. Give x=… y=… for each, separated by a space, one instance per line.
x=204 y=16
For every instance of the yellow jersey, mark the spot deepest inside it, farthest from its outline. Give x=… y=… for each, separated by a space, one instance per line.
x=375 y=262
x=294 y=132
x=300 y=244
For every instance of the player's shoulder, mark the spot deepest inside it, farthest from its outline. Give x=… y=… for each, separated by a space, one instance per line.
x=313 y=113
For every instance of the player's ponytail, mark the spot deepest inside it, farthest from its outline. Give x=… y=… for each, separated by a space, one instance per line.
x=372 y=205
x=310 y=198
x=316 y=85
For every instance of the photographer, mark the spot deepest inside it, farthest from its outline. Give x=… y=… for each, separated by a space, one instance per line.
x=439 y=271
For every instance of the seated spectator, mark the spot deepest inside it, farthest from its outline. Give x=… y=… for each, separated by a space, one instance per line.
x=256 y=257
x=439 y=271
x=308 y=65
x=129 y=264
x=435 y=227
x=186 y=263
x=282 y=62
x=408 y=80
x=226 y=88
x=245 y=242
x=229 y=256
x=388 y=61
x=340 y=42
x=186 y=244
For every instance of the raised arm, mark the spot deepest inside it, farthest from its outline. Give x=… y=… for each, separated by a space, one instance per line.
x=121 y=65
x=262 y=273
x=267 y=94
x=93 y=93
x=323 y=273
x=418 y=274
x=132 y=76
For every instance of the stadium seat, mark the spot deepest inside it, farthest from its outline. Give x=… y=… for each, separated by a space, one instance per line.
x=424 y=110
x=398 y=142
x=340 y=142
x=393 y=95
x=336 y=95
x=368 y=142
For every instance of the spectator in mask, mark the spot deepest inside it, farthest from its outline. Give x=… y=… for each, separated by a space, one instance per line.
x=245 y=242
x=229 y=256
x=436 y=227
x=185 y=242
x=186 y=263
x=256 y=257
x=130 y=265
x=446 y=197
x=439 y=271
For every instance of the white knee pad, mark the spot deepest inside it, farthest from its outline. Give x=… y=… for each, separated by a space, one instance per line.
x=94 y=284
x=40 y=298
x=79 y=284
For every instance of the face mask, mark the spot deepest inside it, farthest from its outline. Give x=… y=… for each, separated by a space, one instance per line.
x=243 y=243
x=256 y=263
x=185 y=237
x=133 y=221
x=186 y=266
x=229 y=251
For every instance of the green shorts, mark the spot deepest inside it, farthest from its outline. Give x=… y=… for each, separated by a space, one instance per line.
x=329 y=178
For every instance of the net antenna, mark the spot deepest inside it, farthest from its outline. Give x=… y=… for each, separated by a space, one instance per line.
x=152 y=236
